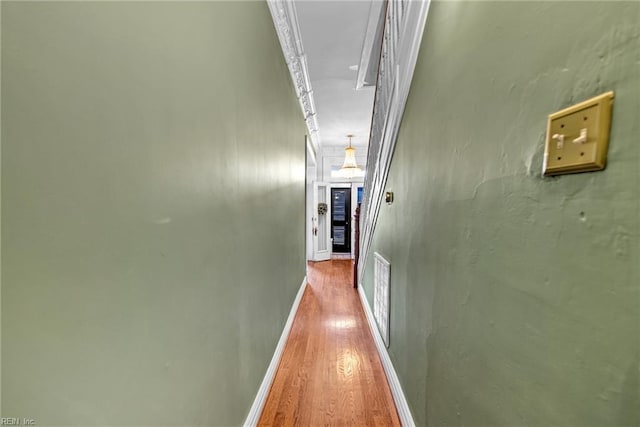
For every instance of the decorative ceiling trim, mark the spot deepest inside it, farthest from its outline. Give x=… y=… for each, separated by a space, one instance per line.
x=285 y=20
x=404 y=25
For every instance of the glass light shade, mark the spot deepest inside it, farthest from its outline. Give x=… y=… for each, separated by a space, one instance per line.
x=350 y=167
x=350 y=158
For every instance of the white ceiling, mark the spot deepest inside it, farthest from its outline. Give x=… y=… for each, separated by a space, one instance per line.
x=332 y=34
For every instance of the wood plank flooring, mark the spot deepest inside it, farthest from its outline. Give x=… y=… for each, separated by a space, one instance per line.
x=330 y=373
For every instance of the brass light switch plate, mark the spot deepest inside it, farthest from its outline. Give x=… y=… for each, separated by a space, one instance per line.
x=578 y=137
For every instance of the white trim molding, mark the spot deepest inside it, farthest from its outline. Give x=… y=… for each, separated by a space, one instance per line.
x=285 y=19
x=370 y=55
x=261 y=398
x=402 y=406
x=404 y=24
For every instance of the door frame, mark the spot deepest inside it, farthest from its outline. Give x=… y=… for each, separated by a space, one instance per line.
x=350 y=185
x=311 y=168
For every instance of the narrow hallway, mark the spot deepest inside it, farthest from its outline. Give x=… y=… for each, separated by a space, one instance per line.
x=330 y=372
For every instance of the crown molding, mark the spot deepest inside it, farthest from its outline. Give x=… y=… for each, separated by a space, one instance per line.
x=285 y=19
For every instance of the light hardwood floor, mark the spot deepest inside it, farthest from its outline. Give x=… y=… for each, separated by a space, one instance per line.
x=330 y=373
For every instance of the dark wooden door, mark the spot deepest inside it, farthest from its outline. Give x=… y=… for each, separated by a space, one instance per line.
x=341 y=219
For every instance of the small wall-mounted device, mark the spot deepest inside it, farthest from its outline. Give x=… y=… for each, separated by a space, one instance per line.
x=388 y=197
x=578 y=137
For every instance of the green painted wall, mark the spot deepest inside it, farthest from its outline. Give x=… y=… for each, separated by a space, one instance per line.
x=153 y=210
x=515 y=298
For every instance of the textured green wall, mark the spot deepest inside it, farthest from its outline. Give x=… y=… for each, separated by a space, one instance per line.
x=515 y=298
x=152 y=206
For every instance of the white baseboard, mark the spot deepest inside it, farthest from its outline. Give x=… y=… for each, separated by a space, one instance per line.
x=263 y=391
x=392 y=378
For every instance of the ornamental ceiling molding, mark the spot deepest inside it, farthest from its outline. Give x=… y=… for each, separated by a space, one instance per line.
x=285 y=19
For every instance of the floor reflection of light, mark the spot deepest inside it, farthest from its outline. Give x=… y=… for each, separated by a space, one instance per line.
x=348 y=364
x=343 y=323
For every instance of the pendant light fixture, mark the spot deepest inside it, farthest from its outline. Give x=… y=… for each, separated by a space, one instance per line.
x=350 y=167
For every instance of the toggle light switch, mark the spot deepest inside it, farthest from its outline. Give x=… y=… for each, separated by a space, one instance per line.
x=585 y=127
x=582 y=139
x=560 y=140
